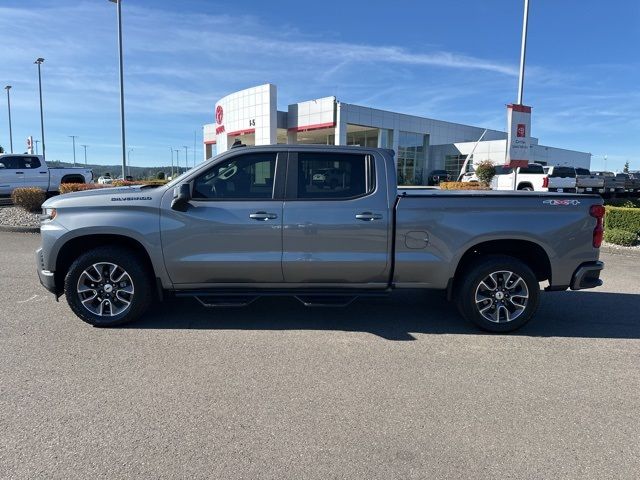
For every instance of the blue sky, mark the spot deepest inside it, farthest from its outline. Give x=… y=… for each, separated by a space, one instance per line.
x=454 y=61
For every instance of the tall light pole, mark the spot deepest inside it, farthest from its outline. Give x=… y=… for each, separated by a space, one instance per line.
x=186 y=157
x=129 y=160
x=85 y=154
x=171 y=150
x=7 y=88
x=177 y=150
x=36 y=142
x=122 y=134
x=73 y=137
x=38 y=62
x=523 y=51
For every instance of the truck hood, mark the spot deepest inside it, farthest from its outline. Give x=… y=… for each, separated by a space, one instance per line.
x=115 y=196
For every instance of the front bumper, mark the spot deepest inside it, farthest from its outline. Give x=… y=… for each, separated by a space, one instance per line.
x=47 y=278
x=587 y=275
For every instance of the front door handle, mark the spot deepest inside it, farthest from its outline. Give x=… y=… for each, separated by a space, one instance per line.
x=368 y=216
x=19 y=173
x=263 y=216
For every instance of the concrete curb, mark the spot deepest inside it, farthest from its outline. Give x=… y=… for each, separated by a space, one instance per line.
x=635 y=252
x=14 y=229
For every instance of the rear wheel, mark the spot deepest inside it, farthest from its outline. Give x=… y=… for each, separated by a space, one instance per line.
x=108 y=286
x=498 y=293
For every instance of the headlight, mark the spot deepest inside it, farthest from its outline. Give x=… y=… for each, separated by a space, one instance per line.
x=48 y=214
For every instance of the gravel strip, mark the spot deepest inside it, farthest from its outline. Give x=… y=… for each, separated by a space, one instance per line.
x=18 y=217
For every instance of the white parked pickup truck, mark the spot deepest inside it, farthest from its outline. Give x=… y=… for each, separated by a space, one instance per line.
x=24 y=170
x=530 y=178
x=560 y=179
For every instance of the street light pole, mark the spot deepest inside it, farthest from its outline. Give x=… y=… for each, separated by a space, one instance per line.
x=186 y=157
x=523 y=51
x=171 y=150
x=178 y=160
x=73 y=137
x=122 y=133
x=129 y=160
x=85 y=154
x=7 y=88
x=38 y=62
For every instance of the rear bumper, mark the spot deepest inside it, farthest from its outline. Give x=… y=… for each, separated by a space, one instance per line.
x=587 y=275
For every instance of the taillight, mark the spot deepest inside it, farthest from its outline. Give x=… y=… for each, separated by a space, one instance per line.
x=597 y=211
x=545 y=182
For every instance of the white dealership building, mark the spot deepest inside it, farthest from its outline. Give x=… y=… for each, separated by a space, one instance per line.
x=421 y=144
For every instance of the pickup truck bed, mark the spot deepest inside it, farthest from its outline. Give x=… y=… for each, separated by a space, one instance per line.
x=261 y=221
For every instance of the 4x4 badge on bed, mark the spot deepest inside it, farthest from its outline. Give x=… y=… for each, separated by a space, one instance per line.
x=561 y=202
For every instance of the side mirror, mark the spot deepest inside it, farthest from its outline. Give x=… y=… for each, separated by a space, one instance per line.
x=2 y=165
x=181 y=197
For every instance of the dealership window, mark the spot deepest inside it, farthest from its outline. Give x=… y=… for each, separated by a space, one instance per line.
x=362 y=136
x=453 y=164
x=412 y=157
x=332 y=176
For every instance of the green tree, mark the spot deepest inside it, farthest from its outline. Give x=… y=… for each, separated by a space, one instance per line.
x=626 y=167
x=160 y=176
x=485 y=171
x=1 y=149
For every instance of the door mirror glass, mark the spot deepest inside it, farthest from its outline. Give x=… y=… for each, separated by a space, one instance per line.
x=2 y=165
x=181 y=197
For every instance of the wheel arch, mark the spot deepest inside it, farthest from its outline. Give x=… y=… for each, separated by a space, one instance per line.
x=523 y=185
x=530 y=253
x=74 y=247
x=73 y=178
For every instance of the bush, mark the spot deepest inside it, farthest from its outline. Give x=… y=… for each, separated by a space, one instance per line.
x=160 y=176
x=485 y=171
x=620 y=237
x=621 y=218
x=462 y=186
x=31 y=198
x=79 y=187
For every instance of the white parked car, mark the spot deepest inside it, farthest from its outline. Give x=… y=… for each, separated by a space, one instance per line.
x=105 y=180
x=25 y=170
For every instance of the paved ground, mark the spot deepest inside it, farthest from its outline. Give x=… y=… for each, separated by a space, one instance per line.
x=387 y=388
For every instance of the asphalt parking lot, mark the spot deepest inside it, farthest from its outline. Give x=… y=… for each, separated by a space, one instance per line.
x=386 y=388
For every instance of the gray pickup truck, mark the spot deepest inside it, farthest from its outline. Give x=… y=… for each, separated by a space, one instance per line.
x=253 y=222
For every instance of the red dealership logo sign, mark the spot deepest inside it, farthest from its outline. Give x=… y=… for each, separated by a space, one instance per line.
x=522 y=130
x=219 y=115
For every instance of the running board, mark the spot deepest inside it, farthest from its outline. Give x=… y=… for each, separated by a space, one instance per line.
x=309 y=298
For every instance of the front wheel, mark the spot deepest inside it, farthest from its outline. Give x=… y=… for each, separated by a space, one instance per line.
x=108 y=286
x=498 y=293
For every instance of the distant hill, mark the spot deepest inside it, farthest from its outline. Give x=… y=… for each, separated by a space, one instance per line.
x=138 y=173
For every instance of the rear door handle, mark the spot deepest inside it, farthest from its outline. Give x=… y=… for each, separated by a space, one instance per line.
x=368 y=216
x=19 y=173
x=263 y=216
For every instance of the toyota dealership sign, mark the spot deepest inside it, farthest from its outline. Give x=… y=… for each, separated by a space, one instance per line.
x=518 y=135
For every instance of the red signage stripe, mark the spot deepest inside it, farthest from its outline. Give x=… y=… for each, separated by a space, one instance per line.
x=241 y=132
x=210 y=142
x=519 y=108
x=316 y=126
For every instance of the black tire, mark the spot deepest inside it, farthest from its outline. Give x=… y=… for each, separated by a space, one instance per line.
x=526 y=188
x=140 y=280
x=469 y=290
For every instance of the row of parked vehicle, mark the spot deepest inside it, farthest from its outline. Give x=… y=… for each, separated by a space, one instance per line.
x=541 y=178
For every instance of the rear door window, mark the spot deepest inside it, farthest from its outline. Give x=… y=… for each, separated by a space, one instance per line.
x=30 y=162
x=532 y=168
x=334 y=175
